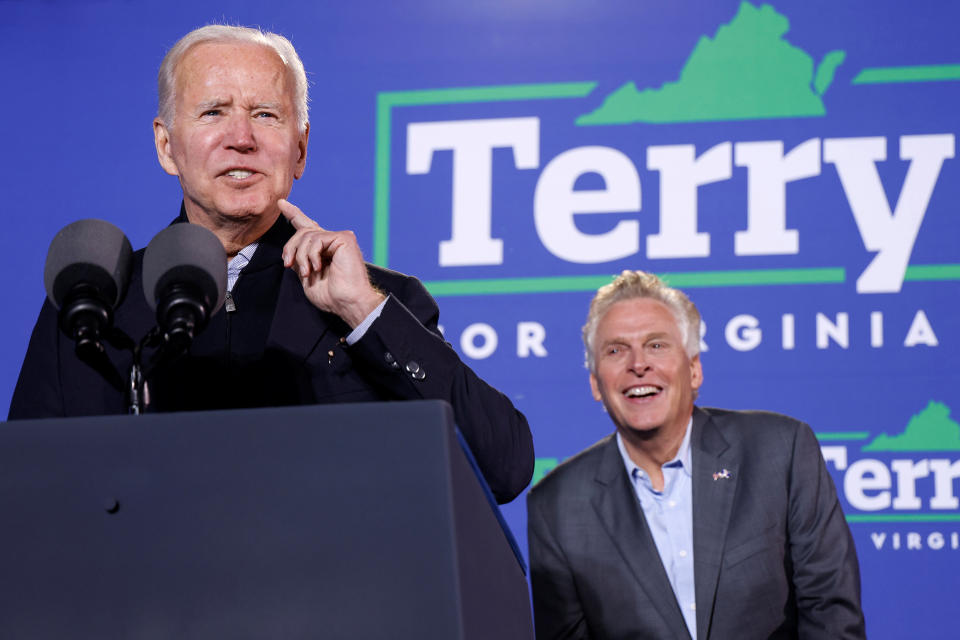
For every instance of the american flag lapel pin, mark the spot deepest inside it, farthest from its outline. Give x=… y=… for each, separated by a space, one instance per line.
x=723 y=474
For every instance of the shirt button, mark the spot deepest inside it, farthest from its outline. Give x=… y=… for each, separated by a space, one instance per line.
x=693 y=606
x=672 y=503
x=682 y=554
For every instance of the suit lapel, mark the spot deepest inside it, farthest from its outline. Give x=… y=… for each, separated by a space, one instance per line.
x=712 y=504
x=297 y=325
x=620 y=513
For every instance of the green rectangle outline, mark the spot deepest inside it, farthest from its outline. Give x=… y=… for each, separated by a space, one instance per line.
x=387 y=100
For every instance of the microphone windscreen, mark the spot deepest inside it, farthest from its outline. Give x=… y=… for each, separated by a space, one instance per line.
x=185 y=253
x=92 y=252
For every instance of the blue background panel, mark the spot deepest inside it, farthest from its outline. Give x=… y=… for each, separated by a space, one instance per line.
x=80 y=88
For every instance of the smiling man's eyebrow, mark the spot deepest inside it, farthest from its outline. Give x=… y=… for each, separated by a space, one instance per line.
x=656 y=335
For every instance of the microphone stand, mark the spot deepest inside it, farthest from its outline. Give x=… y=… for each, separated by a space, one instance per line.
x=136 y=381
x=170 y=345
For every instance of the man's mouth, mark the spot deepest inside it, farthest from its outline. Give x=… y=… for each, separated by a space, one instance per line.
x=642 y=391
x=239 y=174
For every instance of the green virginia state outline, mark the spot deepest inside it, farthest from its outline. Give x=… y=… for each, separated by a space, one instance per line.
x=746 y=72
x=930 y=430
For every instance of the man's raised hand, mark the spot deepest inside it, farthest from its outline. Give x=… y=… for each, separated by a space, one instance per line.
x=330 y=266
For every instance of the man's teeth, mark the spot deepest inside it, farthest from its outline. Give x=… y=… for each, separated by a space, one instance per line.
x=239 y=173
x=641 y=392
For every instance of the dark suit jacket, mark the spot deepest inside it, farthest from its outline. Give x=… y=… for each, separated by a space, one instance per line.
x=773 y=556
x=278 y=349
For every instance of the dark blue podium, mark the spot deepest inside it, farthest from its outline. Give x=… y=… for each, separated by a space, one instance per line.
x=339 y=521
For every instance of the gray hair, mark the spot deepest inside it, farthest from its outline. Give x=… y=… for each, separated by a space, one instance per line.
x=166 y=79
x=640 y=284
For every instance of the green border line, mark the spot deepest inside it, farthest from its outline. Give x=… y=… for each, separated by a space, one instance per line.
x=904 y=517
x=842 y=435
x=387 y=100
x=932 y=272
x=921 y=73
x=687 y=280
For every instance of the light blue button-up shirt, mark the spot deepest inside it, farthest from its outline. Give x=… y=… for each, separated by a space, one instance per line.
x=669 y=515
x=236 y=264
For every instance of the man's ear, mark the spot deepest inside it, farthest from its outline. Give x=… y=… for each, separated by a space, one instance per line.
x=595 y=388
x=302 y=146
x=696 y=373
x=161 y=138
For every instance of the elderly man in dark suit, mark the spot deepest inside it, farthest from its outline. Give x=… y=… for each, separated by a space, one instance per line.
x=306 y=320
x=687 y=522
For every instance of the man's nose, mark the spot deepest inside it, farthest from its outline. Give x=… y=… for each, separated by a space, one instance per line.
x=638 y=362
x=240 y=134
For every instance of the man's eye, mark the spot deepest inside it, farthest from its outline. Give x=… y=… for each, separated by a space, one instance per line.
x=211 y=112
x=265 y=114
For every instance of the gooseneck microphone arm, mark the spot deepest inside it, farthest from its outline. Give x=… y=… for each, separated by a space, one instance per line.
x=185 y=310
x=137 y=379
x=84 y=317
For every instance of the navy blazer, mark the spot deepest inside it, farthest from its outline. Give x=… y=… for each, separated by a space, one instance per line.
x=773 y=556
x=300 y=358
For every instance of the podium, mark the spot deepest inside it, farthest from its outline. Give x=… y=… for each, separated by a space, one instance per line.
x=337 y=521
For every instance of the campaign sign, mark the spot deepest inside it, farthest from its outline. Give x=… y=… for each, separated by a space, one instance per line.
x=790 y=165
x=796 y=184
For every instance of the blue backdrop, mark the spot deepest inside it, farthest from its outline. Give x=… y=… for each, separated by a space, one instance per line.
x=792 y=166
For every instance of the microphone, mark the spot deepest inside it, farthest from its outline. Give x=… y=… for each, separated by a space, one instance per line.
x=86 y=276
x=184 y=281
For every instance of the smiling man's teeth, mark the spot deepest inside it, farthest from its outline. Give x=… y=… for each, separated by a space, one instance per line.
x=239 y=173
x=641 y=392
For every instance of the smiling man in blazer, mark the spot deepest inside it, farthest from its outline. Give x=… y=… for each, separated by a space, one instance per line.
x=308 y=320
x=687 y=522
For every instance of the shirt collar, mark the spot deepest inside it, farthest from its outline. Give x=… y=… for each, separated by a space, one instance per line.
x=236 y=264
x=682 y=459
x=247 y=251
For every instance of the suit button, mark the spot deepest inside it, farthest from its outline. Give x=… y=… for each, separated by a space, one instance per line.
x=412 y=367
x=390 y=360
x=419 y=375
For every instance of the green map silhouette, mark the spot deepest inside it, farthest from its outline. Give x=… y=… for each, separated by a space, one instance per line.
x=746 y=71
x=930 y=430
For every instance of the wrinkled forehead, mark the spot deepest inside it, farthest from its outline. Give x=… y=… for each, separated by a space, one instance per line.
x=636 y=317
x=255 y=66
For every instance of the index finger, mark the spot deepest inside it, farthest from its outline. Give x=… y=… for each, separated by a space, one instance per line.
x=297 y=218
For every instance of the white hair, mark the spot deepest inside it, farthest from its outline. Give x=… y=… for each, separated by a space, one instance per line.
x=166 y=79
x=640 y=284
